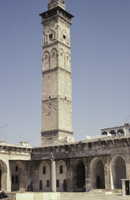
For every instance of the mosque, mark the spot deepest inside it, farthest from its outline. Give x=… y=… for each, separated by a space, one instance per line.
x=61 y=164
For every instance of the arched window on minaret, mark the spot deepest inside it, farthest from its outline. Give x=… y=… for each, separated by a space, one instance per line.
x=53 y=61
x=61 y=58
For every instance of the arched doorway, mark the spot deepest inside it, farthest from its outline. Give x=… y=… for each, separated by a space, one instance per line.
x=79 y=176
x=118 y=172
x=97 y=174
x=3 y=176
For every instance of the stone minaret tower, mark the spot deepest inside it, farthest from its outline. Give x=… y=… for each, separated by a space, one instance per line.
x=56 y=122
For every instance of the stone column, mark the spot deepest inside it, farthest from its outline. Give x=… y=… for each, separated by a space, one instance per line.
x=87 y=176
x=7 y=179
x=123 y=187
x=69 y=175
x=127 y=170
x=53 y=176
x=107 y=175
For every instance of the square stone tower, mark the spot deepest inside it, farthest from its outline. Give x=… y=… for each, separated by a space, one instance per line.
x=56 y=122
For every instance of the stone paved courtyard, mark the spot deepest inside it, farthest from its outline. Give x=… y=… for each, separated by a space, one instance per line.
x=91 y=196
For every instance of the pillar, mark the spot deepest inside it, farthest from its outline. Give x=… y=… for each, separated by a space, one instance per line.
x=107 y=177
x=123 y=187
x=69 y=175
x=87 y=176
x=53 y=176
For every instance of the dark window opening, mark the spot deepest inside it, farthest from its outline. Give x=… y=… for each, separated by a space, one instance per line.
x=104 y=133
x=127 y=188
x=61 y=169
x=53 y=54
x=89 y=145
x=44 y=170
x=57 y=183
x=16 y=168
x=64 y=36
x=47 y=183
x=51 y=36
x=40 y=185
x=16 y=179
x=65 y=185
x=12 y=179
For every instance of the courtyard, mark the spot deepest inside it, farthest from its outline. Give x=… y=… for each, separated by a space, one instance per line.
x=92 y=196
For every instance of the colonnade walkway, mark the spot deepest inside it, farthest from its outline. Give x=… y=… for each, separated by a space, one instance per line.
x=92 y=196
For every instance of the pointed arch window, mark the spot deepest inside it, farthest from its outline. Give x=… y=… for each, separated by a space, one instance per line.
x=64 y=36
x=51 y=36
x=44 y=169
x=61 y=169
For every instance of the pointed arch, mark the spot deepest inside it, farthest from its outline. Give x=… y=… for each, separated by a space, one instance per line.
x=3 y=176
x=51 y=34
x=45 y=37
x=97 y=174
x=78 y=176
x=117 y=172
x=68 y=61
x=53 y=58
x=63 y=36
x=17 y=176
x=61 y=167
x=46 y=60
x=68 y=39
x=61 y=58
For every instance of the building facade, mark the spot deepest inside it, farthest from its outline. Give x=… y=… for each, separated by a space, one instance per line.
x=60 y=164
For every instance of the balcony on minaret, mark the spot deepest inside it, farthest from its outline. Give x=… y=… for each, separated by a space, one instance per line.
x=54 y=3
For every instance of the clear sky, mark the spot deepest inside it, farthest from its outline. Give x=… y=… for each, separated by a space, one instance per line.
x=100 y=49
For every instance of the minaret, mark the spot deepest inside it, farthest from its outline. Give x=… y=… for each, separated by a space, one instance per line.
x=56 y=124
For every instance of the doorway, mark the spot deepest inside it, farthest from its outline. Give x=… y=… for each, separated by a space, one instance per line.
x=79 y=177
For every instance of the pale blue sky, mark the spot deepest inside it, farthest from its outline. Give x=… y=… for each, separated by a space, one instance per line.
x=100 y=49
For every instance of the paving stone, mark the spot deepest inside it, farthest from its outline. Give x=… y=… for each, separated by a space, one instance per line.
x=89 y=196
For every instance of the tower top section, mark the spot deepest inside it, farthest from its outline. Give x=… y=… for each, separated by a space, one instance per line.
x=54 y=3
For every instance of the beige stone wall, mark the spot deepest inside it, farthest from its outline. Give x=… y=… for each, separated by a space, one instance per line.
x=45 y=175
x=65 y=115
x=61 y=176
x=56 y=80
x=50 y=85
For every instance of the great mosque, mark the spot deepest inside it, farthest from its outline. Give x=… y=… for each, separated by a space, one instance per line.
x=61 y=164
